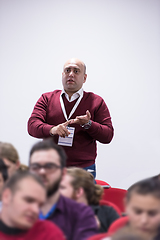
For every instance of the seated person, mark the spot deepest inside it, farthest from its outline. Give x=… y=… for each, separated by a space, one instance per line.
x=143 y=210
x=125 y=234
x=77 y=221
x=78 y=184
x=3 y=177
x=11 y=158
x=22 y=196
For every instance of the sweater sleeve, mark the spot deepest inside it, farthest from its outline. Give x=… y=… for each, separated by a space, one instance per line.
x=37 y=125
x=101 y=128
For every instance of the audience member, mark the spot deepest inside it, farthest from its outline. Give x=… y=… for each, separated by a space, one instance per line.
x=22 y=196
x=124 y=234
x=78 y=185
x=11 y=158
x=76 y=220
x=142 y=208
x=128 y=234
x=3 y=177
x=92 y=122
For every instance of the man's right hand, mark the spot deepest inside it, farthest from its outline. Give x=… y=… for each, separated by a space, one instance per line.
x=61 y=129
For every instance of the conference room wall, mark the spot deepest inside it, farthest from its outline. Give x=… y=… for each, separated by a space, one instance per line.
x=119 y=42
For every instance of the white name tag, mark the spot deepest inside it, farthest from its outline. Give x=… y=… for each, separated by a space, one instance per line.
x=68 y=140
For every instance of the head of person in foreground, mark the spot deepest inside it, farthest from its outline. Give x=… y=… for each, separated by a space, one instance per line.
x=48 y=160
x=78 y=184
x=22 y=196
x=143 y=206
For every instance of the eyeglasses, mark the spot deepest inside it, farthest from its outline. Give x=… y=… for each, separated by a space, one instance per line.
x=49 y=167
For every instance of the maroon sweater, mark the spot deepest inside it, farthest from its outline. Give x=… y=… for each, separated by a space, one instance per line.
x=48 y=113
x=42 y=230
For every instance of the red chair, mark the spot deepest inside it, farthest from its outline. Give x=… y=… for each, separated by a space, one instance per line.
x=116 y=196
x=116 y=225
x=103 y=183
x=107 y=203
x=99 y=236
x=119 y=223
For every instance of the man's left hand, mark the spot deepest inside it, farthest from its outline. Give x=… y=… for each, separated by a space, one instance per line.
x=81 y=120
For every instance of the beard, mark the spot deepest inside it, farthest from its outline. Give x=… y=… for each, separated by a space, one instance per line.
x=54 y=187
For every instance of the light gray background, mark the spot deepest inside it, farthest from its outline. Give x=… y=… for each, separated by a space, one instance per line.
x=119 y=40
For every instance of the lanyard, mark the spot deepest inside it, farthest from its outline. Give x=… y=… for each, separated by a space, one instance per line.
x=73 y=109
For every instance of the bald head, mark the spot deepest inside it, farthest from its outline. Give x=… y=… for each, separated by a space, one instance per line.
x=75 y=61
x=73 y=75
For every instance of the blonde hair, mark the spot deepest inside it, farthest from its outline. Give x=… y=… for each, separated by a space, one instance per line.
x=7 y=150
x=83 y=179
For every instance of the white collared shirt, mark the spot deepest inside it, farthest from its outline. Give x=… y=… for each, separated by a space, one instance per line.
x=74 y=96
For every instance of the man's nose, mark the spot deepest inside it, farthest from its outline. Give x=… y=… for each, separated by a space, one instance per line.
x=42 y=171
x=144 y=218
x=71 y=73
x=35 y=208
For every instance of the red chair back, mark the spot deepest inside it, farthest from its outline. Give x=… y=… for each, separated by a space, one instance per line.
x=102 y=183
x=116 y=196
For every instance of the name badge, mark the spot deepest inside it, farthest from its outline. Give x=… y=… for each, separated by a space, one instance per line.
x=68 y=140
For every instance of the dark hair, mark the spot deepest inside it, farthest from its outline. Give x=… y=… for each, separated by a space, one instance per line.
x=49 y=144
x=147 y=186
x=82 y=178
x=3 y=170
x=15 y=180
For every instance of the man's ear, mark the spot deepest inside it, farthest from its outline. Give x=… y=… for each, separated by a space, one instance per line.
x=6 y=196
x=64 y=171
x=125 y=202
x=17 y=164
x=79 y=193
x=84 y=78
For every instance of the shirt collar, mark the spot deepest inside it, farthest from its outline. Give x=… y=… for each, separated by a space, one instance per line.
x=74 y=96
x=10 y=230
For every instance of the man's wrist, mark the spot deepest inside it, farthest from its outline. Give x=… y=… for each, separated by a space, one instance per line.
x=51 y=132
x=87 y=125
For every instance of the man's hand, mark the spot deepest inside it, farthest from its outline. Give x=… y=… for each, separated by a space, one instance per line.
x=81 y=120
x=61 y=129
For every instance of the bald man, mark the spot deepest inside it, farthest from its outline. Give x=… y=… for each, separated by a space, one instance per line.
x=75 y=119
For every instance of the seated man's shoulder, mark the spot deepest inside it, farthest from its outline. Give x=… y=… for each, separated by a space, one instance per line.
x=47 y=229
x=76 y=208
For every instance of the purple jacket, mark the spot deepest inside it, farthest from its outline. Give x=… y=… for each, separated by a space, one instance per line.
x=76 y=220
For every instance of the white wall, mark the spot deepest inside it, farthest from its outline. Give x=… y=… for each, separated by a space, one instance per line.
x=119 y=41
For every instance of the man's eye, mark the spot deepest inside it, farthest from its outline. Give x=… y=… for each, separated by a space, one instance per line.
x=29 y=200
x=138 y=212
x=49 y=166
x=67 y=70
x=76 y=71
x=152 y=213
x=35 y=167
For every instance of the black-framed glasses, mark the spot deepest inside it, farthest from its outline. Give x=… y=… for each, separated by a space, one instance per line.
x=49 y=167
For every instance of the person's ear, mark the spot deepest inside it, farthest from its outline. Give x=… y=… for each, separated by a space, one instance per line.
x=84 y=78
x=79 y=193
x=6 y=196
x=18 y=164
x=126 y=204
x=64 y=171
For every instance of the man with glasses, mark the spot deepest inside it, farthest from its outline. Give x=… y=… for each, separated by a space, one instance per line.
x=74 y=118
x=77 y=221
